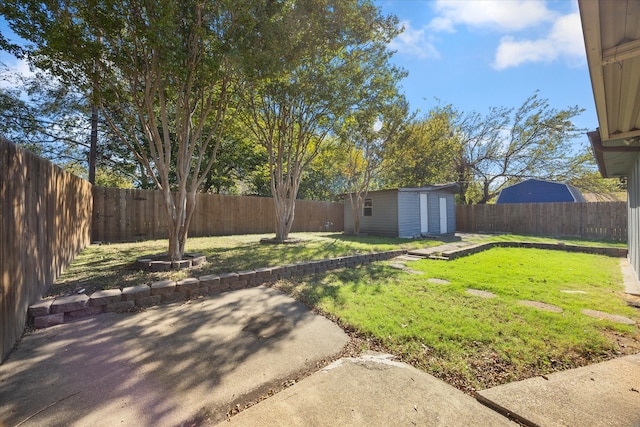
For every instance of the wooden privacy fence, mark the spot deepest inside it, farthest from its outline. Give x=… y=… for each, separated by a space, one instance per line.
x=46 y=221
x=128 y=215
x=600 y=221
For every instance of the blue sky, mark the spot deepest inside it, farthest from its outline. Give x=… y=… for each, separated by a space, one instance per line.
x=475 y=54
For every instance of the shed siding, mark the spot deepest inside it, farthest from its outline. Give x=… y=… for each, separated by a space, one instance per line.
x=633 y=206
x=384 y=218
x=434 y=212
x=409 y=214
x=451 y=212
x=384 y=215
x=396 y=213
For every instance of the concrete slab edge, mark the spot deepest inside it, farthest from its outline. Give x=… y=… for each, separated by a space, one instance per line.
x=504 y=411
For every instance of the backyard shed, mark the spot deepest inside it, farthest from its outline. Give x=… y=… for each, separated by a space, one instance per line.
x=406 y=212
x=540 y=191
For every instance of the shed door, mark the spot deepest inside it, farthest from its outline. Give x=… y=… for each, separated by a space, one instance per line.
x=424 y=214
x=443 y=215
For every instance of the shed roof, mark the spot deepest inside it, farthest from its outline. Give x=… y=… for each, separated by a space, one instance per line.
x=540 y=191
x=451 y=187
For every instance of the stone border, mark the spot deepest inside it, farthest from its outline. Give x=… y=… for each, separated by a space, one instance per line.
x=159 y=263
x=55 y=311
x=473 y=249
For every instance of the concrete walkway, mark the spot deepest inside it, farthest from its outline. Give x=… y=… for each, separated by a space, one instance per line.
x=371 y=390
x=455 y=242
x=604 y=394
x=164 y=366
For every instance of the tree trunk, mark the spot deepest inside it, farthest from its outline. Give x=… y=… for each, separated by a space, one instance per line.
x=93 y=144
x=485 y=194
x=179 y=213
x=285 y=212
x=355 y=209
x=281 y=235
x=169 y=204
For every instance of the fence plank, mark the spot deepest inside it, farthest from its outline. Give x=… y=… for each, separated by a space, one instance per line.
x=600 y=220
x=129 y=215
x=45 y=221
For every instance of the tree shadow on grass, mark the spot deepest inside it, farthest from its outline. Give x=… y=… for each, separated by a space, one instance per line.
x=313 y=290
x=95 y=270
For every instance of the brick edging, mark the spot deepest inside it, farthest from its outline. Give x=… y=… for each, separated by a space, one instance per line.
x=55 y=311
x=598 y=250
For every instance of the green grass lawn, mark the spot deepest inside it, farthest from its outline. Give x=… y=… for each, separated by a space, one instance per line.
x=113 y=265
x=473 y=342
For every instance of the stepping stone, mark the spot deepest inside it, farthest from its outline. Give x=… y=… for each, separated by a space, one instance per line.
x=572 y=292
x=607 y=316
x=408 y=258
x=482 y=294
x=438 y=281
x=397 y=266
x=400 y=266
x=542 y=306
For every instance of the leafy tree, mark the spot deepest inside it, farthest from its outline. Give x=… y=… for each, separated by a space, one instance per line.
x=238 y=159
x=425 y=152
x=162 y=72
x=259 y=182
x=324 y=56
x=107 y=177
x=44 y=116
x=50 y=118
x=583 y=174
x=508 y=145
x=324 y=179
x=367 y=133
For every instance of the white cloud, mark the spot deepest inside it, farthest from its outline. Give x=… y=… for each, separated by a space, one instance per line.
x=564 y=40
x=11 y=70
x=499 y=15
x=532 y=32
x=414 y=42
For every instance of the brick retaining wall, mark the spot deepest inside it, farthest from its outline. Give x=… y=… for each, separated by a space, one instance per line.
x=54 y=311
x=598 y=250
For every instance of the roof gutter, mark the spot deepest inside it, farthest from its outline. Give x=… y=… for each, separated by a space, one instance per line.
x=599 y=150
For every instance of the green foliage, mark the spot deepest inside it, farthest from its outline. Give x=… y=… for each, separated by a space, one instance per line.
x=425 y=153
x=508 y=145
x=112 y=178
x=485 y=153
x=366 y=135
x=164 y=74
x=323 y=179
x=326 y=59
x=44 y=116
x=239 y=163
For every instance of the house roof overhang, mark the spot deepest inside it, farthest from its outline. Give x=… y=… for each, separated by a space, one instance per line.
x=611 y=31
